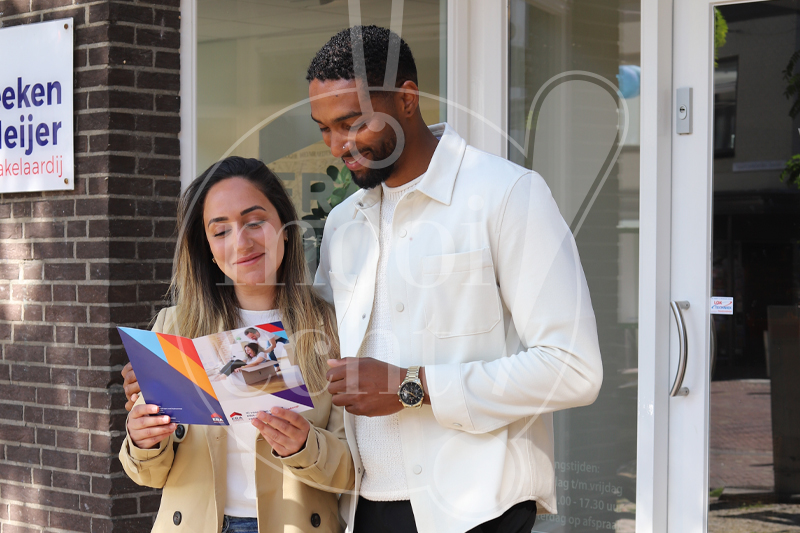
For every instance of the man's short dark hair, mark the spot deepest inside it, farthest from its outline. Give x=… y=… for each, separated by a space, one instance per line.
x=251 y=330
x=334 y=61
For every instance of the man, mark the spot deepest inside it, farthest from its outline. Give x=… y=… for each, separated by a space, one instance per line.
x=458 y=289
x=265 y=340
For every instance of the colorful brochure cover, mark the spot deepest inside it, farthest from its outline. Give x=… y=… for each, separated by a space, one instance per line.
x=220 y=379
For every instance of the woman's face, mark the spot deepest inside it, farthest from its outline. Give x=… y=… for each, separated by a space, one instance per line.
x=244 y=232
x=249 y=351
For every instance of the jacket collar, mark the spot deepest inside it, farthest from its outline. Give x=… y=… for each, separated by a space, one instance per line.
x=440 y=178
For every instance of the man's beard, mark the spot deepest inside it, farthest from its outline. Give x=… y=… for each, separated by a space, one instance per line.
x=368 y=178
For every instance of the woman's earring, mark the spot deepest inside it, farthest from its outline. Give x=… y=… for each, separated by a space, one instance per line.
x=213 y=260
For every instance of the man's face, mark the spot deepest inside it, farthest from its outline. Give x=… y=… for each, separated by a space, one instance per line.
x=252 y=336
x=364 y=141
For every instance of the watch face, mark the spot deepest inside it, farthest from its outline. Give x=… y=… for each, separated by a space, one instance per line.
x=411 y=393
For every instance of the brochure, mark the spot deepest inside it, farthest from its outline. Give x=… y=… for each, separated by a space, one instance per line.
x=220 y=379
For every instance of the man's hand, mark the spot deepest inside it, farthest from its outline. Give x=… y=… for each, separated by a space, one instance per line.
x=284 y=430
x=365 y=386
x=130 y=385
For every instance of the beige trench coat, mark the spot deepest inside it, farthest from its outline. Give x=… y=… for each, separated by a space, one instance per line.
x=290 y=491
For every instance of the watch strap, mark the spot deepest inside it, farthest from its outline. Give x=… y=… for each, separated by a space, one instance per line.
x=412 y=374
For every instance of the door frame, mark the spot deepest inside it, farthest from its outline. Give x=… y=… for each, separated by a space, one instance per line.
x=655 y=206
x=671 y=424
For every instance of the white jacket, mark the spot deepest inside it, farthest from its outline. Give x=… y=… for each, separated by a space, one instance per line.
x=487 y=292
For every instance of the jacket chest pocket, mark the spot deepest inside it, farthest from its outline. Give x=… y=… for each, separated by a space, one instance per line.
x=460 y=293
x=342 y=286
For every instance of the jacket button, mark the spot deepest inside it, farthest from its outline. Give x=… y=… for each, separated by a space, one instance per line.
x=180 y=431
x=417 y=469
x=176 y=518
x=315 y=520
x=403 y=233
x=399 y=307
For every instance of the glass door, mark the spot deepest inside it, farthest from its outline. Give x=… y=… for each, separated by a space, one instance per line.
x=734 y=434
x=754 y=405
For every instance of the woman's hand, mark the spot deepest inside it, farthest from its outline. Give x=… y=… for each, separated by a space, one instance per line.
x=147 y=431
x=130 y=385
x=286 y=431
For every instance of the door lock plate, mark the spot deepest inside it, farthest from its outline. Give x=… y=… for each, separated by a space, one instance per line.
x=683 y=111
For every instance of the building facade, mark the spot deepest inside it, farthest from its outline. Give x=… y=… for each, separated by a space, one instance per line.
x=75 y=264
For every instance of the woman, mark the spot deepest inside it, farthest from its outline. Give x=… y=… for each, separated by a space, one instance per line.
x=239 y=262
x=256 y=357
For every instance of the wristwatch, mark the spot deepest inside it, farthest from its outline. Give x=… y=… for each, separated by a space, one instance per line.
x=411 y=392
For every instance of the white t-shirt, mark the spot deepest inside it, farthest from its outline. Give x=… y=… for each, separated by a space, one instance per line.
x=241 y=493
x=378 y=437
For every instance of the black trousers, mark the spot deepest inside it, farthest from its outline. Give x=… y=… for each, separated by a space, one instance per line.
x=397 y=517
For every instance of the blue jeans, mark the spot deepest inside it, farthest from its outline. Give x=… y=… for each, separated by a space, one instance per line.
x=235 y=524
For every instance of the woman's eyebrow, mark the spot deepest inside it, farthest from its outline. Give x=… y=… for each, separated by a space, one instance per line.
x=251 y=209
x=243 y=213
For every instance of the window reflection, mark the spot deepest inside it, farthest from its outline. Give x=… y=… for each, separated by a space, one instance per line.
x=725 y=75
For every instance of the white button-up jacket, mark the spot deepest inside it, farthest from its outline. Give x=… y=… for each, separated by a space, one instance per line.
x=488 y=294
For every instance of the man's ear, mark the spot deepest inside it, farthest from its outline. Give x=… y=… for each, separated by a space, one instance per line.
x=407 y=98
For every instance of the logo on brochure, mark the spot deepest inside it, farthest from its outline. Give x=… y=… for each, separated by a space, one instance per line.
x=217 y=419
x=235 y=416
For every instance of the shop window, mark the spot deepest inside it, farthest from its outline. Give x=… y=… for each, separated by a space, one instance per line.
x=574 y=78
x=252 y=95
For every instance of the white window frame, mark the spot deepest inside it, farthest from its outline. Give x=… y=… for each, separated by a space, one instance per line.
x=655 y=205
x=477 y=72
x=188 y=94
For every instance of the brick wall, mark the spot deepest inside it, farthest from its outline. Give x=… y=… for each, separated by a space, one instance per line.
x=75 y=264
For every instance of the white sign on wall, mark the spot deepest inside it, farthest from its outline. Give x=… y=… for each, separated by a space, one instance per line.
x=36 y=131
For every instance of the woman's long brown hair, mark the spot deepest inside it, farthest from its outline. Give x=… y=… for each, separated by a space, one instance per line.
x=205 y=299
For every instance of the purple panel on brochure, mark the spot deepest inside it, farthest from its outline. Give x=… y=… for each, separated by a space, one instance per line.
x=184 y=401
x=297 y=394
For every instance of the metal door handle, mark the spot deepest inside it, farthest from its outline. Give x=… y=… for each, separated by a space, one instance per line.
x=683 y=345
